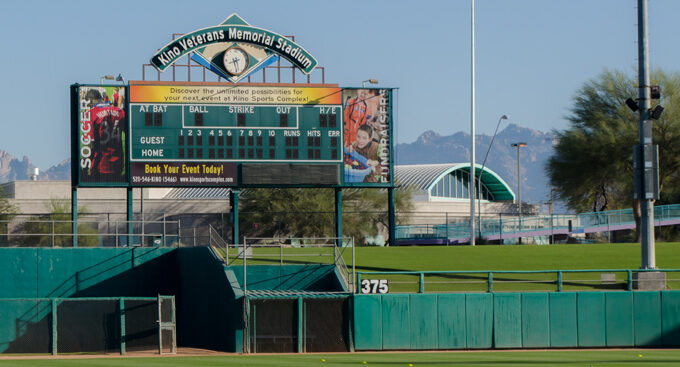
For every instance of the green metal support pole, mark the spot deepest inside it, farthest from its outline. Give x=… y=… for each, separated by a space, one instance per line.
x=630 y=280
x=130 y=212
x=559 y=281
x=248 y=326
x=338 y=216
x=447 y=228
x=350 y=323
x=490 y=282
x=421 y=283
x=54 y=326
x=301 y=329
x=122 y=325
x=74 y=215
x=233 y=199
x=392 y=223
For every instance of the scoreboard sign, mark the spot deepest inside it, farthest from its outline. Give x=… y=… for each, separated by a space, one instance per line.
x=182 y=131
x=227 y=134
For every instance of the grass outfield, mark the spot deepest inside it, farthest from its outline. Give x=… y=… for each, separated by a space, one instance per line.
x=477 y=359
x=513 y=257
x=490 y=257
x=486 y=257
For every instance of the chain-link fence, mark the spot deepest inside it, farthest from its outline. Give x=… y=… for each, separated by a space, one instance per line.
x=87 y=325
x=298 y=325
x=508 y=281
x=109 y=230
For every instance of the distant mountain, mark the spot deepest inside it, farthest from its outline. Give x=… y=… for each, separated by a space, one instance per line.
x=12 y=169
x=430 y=147
x=61 y=171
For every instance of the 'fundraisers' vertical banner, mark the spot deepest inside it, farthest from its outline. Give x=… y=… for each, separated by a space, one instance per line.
x=102 y=133
x=367 y=115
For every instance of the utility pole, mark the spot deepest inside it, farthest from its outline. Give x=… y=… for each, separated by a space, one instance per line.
x=472 y=131
x=519 y=185
x=644 y=169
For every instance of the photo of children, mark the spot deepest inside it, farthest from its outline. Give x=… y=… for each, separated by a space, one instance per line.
x=360 y=110
x=366 y=161
x=363 y=156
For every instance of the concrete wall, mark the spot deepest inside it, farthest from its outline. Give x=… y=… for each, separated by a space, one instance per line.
x=32 y=197
x=436 y=212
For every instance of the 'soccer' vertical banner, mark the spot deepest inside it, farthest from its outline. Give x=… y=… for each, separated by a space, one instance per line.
x=102 y=133
x=367 y=115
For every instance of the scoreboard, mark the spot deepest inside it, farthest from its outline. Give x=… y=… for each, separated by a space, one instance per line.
x=236 y=132
x=215 y=134
x=211 y=134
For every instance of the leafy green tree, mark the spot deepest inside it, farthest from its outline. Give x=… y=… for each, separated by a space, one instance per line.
x=592 y=167
x=6 y=207
x=310 y=212
x=7 y=210
x=55 y=229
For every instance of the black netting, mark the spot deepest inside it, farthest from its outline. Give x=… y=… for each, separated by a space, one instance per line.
x=141 y=327
x=326 y=325
x=26 y=326
x=88 y=326
x=273 y=326
x=166 y=309
x=167 y=341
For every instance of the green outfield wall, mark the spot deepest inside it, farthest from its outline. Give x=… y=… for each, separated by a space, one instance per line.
x=516 y=320
x=209 y=296
x=206 y=305
x=288 y=277
x=100 y=272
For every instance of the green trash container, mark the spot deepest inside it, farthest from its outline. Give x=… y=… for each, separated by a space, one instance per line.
x=155 y=240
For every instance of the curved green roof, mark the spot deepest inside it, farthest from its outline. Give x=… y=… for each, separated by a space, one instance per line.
x=426 y=176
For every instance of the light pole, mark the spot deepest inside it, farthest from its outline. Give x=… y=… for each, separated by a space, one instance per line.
x=118 y=78
x=371 y=81
x=645 y=194
x=519 y=185
x=107 y=77
x=479 y=181
x=472 y=124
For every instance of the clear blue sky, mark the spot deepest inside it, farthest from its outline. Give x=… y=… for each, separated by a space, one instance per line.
x=532 y=55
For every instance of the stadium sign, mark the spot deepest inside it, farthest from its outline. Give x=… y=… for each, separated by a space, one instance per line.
x=234 y=49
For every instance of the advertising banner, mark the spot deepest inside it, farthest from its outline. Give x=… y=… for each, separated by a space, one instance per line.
x=213 y=94
x=173 y=174
x=240 y=124
x=367 y=116
x=102 y=134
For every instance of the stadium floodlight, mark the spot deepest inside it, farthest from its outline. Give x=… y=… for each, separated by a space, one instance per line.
x=656 y=112
x=479 y=181
x=107 y=77
x=119 y=78
x=371 y=81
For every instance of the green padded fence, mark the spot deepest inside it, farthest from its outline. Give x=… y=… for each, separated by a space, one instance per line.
x=517 y=320
x=79 y=325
